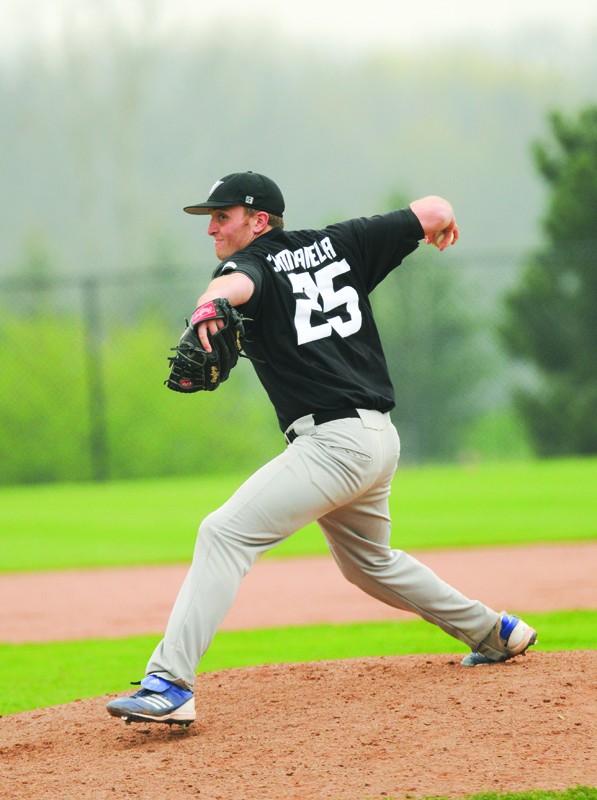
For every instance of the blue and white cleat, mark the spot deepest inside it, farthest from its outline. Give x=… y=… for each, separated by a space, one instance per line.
x=509 y=638
x=159 y=700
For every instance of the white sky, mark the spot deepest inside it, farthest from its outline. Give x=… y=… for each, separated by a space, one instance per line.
x=338 y=24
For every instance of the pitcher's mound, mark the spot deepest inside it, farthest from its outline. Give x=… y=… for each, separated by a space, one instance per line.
x=407 y=726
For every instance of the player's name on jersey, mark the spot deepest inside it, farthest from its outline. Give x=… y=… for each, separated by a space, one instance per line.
x=305 y=257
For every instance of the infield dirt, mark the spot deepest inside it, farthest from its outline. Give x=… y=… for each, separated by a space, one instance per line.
x=402 y=727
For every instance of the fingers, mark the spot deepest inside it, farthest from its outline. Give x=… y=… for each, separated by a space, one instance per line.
x=444 y=238
x=207 y=329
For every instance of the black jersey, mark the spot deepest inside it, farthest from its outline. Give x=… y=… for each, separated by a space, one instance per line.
x=312 y=336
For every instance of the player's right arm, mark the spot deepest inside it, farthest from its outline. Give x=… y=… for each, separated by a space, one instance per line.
x=236 y=287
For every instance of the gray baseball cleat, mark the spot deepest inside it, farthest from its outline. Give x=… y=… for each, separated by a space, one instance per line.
x=508 y=638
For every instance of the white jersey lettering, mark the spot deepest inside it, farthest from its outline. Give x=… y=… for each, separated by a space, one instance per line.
x=305 y=257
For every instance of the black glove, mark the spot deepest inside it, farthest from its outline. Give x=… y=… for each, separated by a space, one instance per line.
x=192 y=369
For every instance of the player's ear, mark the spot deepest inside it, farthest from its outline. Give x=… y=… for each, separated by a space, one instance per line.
x=260 y=221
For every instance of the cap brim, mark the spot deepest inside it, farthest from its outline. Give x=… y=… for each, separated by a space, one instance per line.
x=204 y=208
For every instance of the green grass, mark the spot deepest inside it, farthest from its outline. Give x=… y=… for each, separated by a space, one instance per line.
x=52 y=673
x=155 y=521
x=574 y=793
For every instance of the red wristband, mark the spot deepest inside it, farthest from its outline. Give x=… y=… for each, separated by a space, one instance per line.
x=205 y=311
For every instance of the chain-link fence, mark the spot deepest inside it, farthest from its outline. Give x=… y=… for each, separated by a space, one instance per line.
x=84 y=360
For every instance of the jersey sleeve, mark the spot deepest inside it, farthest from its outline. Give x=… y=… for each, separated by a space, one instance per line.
x=380 y=243
x=250 y=267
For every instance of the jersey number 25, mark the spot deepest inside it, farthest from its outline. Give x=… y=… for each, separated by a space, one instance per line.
x=322 y=297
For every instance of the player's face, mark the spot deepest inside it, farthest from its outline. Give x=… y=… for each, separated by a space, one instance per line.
x=232 y=230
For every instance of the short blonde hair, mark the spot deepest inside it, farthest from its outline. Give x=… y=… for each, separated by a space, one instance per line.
x=274 y=221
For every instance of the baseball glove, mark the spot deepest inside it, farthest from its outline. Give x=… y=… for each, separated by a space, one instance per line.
x=192 y=369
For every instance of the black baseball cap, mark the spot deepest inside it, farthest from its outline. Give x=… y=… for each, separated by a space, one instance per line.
x=243 y=189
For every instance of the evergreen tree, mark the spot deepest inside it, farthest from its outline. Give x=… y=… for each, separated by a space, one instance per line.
x=550 y=315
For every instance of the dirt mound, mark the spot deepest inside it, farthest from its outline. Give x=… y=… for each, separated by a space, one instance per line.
x=408 y=726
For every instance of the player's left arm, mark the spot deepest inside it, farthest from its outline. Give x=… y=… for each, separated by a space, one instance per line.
x=236 y=287
x=437 y=219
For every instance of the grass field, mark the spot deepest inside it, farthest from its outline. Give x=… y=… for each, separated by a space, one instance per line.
x=574 y=793
x=59 y=672
x=155 y=521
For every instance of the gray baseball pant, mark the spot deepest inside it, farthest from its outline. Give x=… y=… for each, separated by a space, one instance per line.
x=340 y=474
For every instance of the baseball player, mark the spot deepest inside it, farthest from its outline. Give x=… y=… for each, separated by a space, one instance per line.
x=309 y=331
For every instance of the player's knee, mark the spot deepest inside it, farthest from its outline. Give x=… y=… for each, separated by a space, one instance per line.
x=217 y=528
x=207 y=532
x=363 y=573
x=239 y=537
x=350 y=571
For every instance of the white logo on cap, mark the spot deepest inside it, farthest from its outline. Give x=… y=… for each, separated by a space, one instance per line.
x=214 y=187
x=249 y=199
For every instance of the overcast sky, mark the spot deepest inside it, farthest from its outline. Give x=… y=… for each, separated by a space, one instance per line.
x=335 y=23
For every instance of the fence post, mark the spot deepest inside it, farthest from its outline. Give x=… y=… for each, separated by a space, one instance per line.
x=98 y=439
